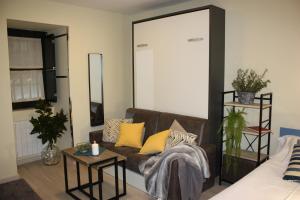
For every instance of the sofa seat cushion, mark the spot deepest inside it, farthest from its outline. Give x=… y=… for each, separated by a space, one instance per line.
x=125 y=151
x=134 y=160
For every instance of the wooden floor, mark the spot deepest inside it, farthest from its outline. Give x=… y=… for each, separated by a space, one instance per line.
x=48 y=182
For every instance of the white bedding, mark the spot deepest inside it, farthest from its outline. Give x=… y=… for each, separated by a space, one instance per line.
x=265 y=182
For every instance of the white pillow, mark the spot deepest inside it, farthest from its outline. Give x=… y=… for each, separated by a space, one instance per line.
x=286 y=140
x=285 y=147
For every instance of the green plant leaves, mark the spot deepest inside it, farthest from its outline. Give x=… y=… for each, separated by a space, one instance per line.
x=249 y=81
x=48 y=126
x=233 y=125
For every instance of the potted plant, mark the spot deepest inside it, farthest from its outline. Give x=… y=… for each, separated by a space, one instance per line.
x=233 y=126
x=49 y=127
x=247 y=84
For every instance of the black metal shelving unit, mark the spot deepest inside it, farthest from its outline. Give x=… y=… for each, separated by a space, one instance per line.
x=251 y=156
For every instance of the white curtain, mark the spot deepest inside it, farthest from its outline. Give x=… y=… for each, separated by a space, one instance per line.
x=26 y=53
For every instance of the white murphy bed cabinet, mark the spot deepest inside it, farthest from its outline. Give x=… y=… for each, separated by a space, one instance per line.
x=178 y=63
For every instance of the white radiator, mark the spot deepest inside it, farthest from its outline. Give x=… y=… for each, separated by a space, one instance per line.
x=28 y=147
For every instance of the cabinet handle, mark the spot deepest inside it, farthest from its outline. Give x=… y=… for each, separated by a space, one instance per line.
x=197 y=39
x=50 y=69
x=142 y=45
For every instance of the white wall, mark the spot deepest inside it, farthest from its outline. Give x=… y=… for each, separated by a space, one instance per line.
x=259 y=34
x=89 y=31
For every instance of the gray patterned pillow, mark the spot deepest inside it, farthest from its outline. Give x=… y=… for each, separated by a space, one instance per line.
x=112 y=129
x=177 y=126
x=178 y=135
x=292 y=172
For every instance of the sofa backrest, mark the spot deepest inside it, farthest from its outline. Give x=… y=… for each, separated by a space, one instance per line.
x=158 y=121
x=148 y=116
x=193 y=125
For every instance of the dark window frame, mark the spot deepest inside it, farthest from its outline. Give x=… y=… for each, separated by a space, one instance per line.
x=29 y=34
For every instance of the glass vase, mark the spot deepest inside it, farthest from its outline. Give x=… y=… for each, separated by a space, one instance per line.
x=51 y=155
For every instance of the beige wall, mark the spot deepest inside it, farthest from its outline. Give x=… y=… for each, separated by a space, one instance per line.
x=89 y=31
x=259 y=34
x=8 y=167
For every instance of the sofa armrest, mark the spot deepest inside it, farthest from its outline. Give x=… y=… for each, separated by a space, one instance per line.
x=211 y=151
x=174 y=184
x=96 y=136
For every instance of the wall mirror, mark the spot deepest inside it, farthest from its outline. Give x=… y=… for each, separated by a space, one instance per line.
x=96 y=89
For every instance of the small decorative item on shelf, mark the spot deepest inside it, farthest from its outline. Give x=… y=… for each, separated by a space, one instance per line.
x=255 y=130
x=87 y=149
x=247 y=84
x=49 y=127
x=233 y=126
x=83 y=147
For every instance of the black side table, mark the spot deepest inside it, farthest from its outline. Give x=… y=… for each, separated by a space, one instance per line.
x=105 y=159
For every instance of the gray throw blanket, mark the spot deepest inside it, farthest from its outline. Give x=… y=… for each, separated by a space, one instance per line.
x=192 y=170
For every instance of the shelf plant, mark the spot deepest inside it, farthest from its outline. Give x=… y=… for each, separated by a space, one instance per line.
x=248 y=83
x=233 y=126
x=49 y=127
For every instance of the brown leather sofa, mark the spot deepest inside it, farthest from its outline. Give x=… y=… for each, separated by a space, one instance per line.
x=159 y=121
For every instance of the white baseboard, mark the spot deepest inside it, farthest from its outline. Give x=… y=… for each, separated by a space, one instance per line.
x=28 y=159
x=132 y=178
x=9 y=179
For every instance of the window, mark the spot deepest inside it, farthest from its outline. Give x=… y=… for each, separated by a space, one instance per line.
x=32 y=70
x=26 y=69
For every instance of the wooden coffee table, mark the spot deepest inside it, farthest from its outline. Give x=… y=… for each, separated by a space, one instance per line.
x=105 y=159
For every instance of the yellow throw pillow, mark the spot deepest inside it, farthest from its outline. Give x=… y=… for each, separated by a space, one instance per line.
x=131 y=135
x=155 y=143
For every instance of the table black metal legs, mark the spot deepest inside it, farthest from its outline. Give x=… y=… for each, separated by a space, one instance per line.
x=117 y=189
x=68 y=191
x=90 y=183
x=78 y=174
x=100 y=180
x=116 y=179
x=124 y=177
x=66 y=173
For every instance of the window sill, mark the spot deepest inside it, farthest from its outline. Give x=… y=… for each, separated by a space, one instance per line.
x=23 y=109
